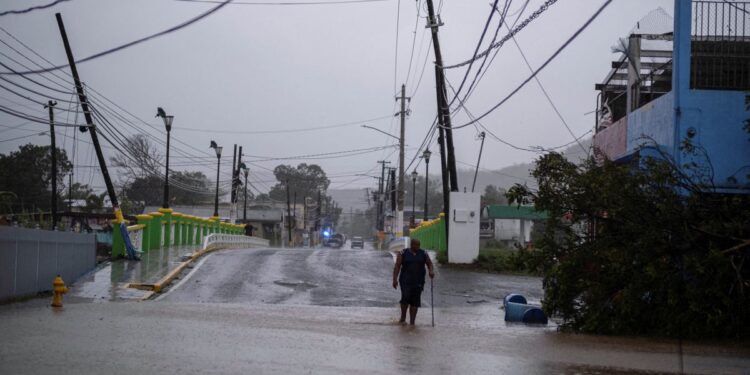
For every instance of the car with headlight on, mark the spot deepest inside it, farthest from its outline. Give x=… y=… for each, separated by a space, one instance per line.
x=358 y=241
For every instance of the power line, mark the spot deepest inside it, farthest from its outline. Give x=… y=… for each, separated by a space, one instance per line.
x=130 y=44
x=327 y=155
x=332 y=2
x=395 y=58
x=413 y=44
x=549 y=60
x=480 y=71
x=23 y=136
x=502 y=41
x=537 y=149
x=31 y=9
x=476 y=81
x=479 y=45
x=297 y=130
x=546 y=95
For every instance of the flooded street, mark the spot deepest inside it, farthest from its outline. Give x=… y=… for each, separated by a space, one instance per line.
x=325 y=311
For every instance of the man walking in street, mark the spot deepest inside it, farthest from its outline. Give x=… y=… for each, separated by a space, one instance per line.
x=409 y=271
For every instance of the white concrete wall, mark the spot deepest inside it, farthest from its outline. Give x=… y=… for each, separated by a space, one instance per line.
x=513 y=230
x=507 y=229
x=463 y=227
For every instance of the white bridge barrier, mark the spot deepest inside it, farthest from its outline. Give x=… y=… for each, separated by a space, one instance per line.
x=398 y=244
x=234 y=240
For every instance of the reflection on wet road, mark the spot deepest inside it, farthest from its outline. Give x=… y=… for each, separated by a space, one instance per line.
x=325 y=311
x=332 y=277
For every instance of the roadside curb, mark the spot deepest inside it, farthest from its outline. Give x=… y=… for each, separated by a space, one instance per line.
x=158 y=286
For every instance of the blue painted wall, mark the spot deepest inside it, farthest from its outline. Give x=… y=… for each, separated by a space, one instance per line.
x=716 y=118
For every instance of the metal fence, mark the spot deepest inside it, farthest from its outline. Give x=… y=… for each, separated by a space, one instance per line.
x=234 y=240
x=31 y=258
x=721 y=45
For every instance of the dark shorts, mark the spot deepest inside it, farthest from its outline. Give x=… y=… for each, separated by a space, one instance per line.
x=411 y=295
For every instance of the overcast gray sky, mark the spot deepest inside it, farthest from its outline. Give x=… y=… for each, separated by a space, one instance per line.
x=255 y=68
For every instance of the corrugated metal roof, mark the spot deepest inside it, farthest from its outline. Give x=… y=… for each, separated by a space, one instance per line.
x=514 y=212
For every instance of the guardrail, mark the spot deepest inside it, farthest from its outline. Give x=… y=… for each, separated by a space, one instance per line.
x=166 y=228
x=135 y=232
x=431 y=234
x=234 y=240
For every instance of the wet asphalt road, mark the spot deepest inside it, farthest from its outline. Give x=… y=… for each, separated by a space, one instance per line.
x=311 y=311
x=331 y=277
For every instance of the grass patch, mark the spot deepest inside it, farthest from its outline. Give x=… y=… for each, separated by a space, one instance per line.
x=498 y=260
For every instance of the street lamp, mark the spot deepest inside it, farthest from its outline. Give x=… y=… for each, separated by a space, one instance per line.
x=378 y=130
x=426 y=155
x=168 y=125
x=414 y=175
x=218 y=149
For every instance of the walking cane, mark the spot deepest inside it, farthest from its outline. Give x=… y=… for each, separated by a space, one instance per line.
x=432 y=301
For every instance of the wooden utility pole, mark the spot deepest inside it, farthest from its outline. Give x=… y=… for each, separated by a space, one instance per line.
x=443 y=164
x=90 y=122
x=288 y=214
x=244 y=210
x=447 y=157
x=400 y=199
x=444 y=118
x=53 y=156
x=381 y=195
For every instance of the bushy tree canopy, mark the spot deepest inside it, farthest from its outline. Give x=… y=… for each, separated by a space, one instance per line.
x=641 y=249
x=26 y=177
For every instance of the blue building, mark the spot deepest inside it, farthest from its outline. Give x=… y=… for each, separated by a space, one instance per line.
x=683 y=82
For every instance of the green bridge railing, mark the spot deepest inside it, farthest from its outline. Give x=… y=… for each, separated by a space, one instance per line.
x=166 y=228
x=431 y=234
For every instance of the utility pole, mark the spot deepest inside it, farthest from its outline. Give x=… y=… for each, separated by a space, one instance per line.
x=304 y=214
x=444 y=118
x=92 y=129
x=244 y=210
x=288 y=214
x=53 y=156
x=70 y=177
x=400 y=208
x=233 y=194
x=317 y=218
x=381 y=195
x=443 y=165
x=482 y=135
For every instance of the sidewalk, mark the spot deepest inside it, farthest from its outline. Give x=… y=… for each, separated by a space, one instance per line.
x=111 y=280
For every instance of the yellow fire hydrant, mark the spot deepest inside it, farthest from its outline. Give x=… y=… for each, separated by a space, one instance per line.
x=58 y=289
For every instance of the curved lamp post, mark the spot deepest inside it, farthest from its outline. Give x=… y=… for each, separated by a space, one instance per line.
x=414 y=175
x=218 y=149
x=168 y=125
x=426 y=155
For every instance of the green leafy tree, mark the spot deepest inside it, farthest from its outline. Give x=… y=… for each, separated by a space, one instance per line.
x=493 y=196
x=27 y=174
x=190 y=188
x=434 y=196
x=305 y=180
x=641 y=249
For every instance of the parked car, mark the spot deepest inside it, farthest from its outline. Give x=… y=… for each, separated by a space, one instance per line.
x=358 y=242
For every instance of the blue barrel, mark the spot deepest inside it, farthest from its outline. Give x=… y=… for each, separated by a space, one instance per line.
x=517 y=298
x=521 y=312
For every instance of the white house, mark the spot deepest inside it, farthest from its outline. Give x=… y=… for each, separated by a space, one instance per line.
x=512 y=224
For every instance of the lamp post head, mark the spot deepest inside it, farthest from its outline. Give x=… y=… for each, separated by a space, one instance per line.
x=216 y=148
x=414 y=174
x=168 y=122
x=426 y=155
